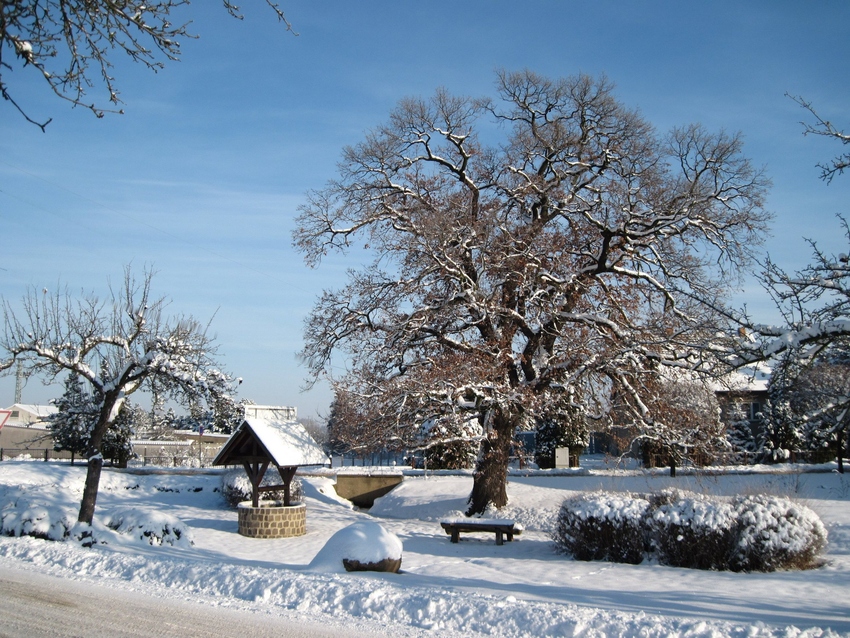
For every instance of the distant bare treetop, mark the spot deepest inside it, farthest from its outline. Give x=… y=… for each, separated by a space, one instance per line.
x=71 y=43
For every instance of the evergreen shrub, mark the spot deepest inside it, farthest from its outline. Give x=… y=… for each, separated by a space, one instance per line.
x=22 y=517
x=151 y=527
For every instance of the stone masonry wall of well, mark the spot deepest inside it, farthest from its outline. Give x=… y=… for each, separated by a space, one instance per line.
x=272 y=520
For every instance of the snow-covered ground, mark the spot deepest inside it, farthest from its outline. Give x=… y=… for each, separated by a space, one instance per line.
x=523 y=588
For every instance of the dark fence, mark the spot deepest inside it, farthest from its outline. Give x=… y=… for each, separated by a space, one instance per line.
x=174 y=453
x=46 y=454
x=167 y=454
x=371 y=459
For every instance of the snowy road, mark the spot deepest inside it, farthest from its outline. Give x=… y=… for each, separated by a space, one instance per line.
x=37 y=605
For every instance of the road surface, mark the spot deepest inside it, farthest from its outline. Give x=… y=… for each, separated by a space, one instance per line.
x=35 y=605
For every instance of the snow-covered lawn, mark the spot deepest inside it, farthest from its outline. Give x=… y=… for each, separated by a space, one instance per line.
x=523 y=588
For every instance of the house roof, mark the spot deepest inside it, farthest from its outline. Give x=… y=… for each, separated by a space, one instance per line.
x=754 y=378
x=285 y=443
x=41 y=411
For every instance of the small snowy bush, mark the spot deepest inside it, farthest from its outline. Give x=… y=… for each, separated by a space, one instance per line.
x=690 y=530
x=235 y=487
x=153 y=528
x=602 y=526
x=22 y=517
x=776 y=533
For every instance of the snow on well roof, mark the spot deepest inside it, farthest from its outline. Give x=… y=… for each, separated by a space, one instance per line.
x=287 y=443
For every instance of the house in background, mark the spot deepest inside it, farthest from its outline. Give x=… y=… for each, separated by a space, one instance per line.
x=746 y=388
x=27 y=415
x=25 y=432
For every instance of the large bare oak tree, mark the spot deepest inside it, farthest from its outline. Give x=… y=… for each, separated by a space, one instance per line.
x=117 y=344
x=537 y=254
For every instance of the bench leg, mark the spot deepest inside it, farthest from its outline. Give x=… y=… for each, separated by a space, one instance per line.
x=510 y=537
x=499 y=539
x=455 y=536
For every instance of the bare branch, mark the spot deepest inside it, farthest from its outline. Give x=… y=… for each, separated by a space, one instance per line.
x=71 y=44
x=825 y=128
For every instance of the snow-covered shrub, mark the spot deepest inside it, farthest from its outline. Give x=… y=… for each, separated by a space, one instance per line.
x=235 y=488
x=683 y=529
x=153 y=528
x=691 y=530
x=602 y=526
x=776 y=533
x=22 y=517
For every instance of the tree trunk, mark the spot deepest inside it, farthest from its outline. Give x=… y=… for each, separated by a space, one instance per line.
x=840 y=445
x=491 y=471
x=95 y=459
x=95 y=464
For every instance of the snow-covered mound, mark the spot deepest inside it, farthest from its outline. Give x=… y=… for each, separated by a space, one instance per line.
x=22 y=516
x=365 y=543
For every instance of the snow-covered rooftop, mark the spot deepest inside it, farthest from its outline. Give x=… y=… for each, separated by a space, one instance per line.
x=41 y=411
x=753 y=378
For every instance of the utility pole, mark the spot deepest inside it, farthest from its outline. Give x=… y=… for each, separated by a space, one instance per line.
x=19 y=381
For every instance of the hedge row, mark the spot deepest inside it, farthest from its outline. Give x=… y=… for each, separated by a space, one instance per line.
x=683 y=529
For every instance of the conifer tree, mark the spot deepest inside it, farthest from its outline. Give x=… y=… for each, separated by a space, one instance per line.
x=71 y=424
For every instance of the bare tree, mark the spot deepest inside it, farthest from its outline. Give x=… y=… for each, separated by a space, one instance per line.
x=827 y=129
x=814 y=337
x=551 y=266
x=813 y=340
x=685 y=424
x=71 y=43
x=117 y=345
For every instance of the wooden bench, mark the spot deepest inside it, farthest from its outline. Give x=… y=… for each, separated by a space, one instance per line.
x=503 y=528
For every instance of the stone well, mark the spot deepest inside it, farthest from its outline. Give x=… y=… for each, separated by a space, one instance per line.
x=272 y=519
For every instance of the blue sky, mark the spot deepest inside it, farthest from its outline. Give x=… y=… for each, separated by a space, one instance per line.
x=202 y=176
